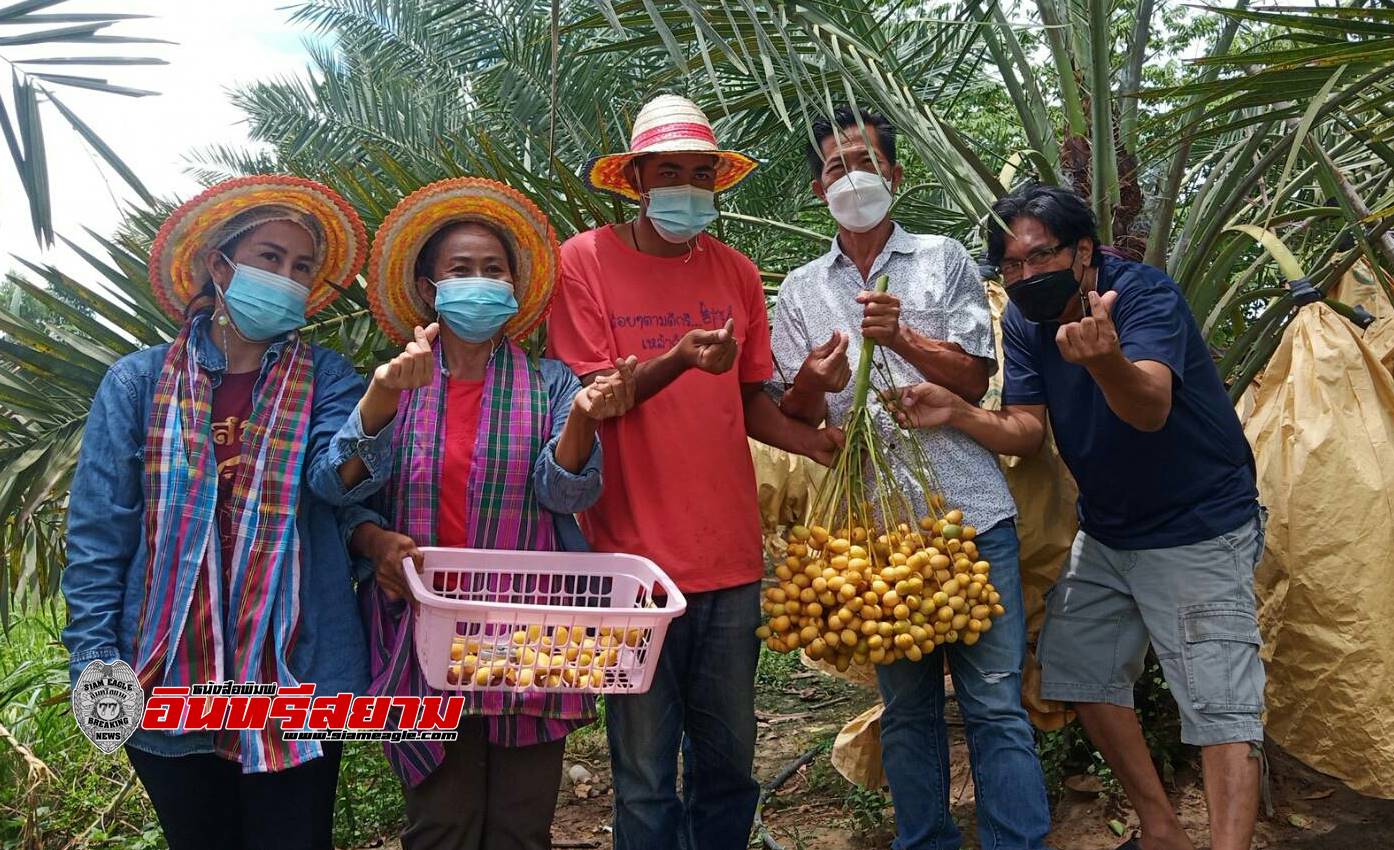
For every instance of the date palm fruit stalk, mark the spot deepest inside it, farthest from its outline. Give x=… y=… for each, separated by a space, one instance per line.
x=865 y=580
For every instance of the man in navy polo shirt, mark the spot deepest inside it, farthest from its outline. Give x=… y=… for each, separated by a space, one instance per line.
x=1170 y=525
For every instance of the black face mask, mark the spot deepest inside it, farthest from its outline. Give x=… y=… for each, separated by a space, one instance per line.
x=1043 y=297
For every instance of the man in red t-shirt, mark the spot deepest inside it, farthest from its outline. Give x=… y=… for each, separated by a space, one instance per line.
x=679 y=483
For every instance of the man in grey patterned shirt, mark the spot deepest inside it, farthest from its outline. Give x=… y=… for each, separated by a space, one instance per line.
x=933 y=324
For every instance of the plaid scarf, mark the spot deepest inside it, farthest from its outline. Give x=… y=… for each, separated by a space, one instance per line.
x=514 y=428
x=193 y=627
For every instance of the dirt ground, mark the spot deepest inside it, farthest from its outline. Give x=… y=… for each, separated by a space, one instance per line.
x=816 y=809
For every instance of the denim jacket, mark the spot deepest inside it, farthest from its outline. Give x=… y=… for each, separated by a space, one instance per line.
x=560 y=492
x=104 y=582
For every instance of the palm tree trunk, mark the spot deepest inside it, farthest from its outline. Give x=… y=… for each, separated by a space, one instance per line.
x=1102 y=153
x=1132 y=74
x=1076 y=124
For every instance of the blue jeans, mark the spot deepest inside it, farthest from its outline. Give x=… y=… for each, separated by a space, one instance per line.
x=1013 y=813
x=702 y=700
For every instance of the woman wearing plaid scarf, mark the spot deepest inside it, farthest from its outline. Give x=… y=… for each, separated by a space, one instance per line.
x=204 y=541
x=493 y=450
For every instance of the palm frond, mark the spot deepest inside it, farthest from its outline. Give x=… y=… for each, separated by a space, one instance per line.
x=22 y=29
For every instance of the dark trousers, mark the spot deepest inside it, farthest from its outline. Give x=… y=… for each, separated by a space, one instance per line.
x=205 y=802
x=485 y=797
x=702 y=701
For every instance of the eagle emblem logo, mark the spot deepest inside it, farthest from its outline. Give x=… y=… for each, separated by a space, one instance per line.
x=108 y=703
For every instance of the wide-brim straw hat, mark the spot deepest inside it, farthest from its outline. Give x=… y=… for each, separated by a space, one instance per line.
x=177 y=270
x=392 y=293
x=667 y=124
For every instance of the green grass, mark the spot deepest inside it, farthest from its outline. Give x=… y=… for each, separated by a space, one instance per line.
x=589 y=744
x=774 y=668
x=86 y=793
x=869 y=809
x=369 y=803
x=78 y=796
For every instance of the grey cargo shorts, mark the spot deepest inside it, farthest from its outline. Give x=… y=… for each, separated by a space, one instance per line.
x=1194 y=603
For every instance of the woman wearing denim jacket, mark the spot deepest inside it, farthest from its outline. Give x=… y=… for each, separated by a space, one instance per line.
x=492 y=451
x=204 y=537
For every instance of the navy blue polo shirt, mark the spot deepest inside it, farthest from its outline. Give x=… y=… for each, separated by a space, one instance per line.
x=1190 y=481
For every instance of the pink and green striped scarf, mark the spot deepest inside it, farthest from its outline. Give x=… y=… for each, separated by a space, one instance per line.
x=194 y=628
x=514 y=428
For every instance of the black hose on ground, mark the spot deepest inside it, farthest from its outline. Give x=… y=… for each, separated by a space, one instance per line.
x=766 y=839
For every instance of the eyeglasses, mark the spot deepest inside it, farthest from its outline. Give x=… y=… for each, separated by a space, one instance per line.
x=1012 y=269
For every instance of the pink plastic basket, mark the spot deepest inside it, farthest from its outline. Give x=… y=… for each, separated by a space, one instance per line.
x=497 y=620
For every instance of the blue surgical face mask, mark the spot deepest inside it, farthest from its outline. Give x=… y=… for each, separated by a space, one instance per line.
x=263 y=305
x=679 y=213
x=475 y=307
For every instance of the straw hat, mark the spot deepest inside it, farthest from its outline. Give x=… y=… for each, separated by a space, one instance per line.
x=392 y=293
x=667 y=124
x=177 y=271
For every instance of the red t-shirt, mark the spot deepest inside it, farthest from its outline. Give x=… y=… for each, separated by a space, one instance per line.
x=463 y=401
x=679 y=483
x=232 y=407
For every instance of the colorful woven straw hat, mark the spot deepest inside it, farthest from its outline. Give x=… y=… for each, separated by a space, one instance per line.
x=392 y=292
x=668 y=124
x=177 y=259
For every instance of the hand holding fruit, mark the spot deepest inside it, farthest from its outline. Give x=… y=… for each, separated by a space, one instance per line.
x=411 y=369
x=609 y=395
x=826 y=369
x=924 y=405
x=711 y=351
x=1093 y=339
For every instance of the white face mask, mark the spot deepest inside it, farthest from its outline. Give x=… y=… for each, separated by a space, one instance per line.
x=859 y=200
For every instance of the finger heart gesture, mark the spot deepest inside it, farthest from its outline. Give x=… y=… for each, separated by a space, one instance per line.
x=1093 y=339
x=826 y=367
x=611 y=395
x=714 y=351
x=411 y=369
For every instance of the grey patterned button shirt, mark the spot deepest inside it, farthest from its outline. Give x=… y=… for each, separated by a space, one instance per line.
x=942 y=297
